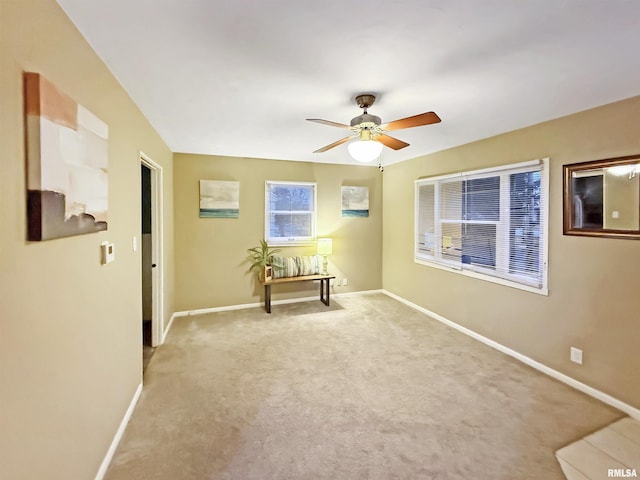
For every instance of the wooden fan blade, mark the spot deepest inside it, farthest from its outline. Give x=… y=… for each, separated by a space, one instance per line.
x=328 y=122
x=415 y=121
x=391 y=142
x=335 y=144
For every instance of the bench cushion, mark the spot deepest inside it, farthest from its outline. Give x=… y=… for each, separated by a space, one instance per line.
x=296 y=266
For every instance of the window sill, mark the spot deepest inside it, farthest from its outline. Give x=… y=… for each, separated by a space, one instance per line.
x=301 y=243
x=487 y=278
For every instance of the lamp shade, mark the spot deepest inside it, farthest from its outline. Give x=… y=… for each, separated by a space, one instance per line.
x=325 y=246
x=364 y=150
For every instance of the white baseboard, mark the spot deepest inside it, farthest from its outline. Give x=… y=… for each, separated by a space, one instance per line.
x=226 y=308
x=361 y=292
x=118 y=436
x=166 y=330
x=572 y=382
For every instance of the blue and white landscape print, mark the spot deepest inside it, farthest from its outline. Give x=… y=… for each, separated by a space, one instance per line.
x=219 y=199
x=355 y=201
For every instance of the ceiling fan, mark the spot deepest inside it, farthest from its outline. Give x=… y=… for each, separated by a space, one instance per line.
x=371 y=132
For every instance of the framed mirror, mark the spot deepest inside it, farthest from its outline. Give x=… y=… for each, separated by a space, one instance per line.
x=602 y=198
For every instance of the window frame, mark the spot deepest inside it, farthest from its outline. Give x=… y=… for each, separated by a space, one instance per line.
x=476 y=271
x=280 y=241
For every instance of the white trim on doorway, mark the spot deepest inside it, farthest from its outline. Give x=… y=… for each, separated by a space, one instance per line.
x=157 y=252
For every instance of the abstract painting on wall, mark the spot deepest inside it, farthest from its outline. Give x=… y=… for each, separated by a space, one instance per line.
x=219 y=199
x=67 y=164
x=355 y=201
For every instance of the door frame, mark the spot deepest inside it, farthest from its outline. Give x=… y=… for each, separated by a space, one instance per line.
x=157 y=242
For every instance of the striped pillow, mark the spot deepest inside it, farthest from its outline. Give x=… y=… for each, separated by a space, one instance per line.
x=309 y=265
x=295 y=266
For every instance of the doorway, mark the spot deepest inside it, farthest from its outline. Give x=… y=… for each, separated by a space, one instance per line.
x=151 y=256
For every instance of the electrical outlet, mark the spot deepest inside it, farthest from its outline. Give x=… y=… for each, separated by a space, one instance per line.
x=576 y=355
x=344 y=281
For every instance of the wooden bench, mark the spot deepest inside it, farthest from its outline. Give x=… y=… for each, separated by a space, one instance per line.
x=324 y=287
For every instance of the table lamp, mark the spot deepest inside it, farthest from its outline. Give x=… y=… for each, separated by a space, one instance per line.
x=325 y=247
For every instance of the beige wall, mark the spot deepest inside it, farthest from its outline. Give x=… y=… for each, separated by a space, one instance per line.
x=593 y=302
x=70 y=329
x=211 y=252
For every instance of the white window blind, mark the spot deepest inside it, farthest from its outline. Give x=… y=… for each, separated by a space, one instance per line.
x=491 y=222
x=290 y=212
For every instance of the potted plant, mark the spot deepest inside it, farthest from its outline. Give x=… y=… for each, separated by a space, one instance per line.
x=261 y=258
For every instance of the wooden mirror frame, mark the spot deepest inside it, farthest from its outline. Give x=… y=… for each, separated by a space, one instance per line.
x=568 y=210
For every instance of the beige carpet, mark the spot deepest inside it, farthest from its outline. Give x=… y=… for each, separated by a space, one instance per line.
x=365 y=389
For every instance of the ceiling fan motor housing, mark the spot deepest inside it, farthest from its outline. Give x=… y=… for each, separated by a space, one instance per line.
x=366 y=120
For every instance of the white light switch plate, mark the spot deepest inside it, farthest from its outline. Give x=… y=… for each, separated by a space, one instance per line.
x=108 y=251
x=576 y=355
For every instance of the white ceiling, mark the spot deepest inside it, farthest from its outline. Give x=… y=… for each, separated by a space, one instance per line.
x=239 y=77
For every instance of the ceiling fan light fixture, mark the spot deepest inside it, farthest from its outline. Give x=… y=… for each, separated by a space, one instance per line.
x=371 y=133
x=364 y=150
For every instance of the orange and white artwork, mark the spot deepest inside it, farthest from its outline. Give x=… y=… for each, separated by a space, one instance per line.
x=67 y=163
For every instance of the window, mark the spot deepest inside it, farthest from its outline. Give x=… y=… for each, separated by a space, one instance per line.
x=490 y=224
x=290 y=212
